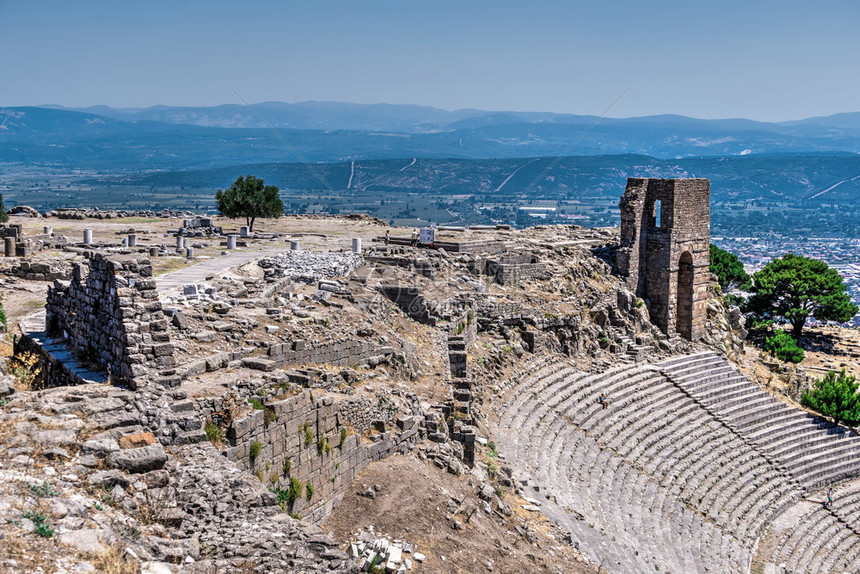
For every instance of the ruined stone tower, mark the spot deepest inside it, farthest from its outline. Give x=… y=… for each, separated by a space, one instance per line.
x=665 y=238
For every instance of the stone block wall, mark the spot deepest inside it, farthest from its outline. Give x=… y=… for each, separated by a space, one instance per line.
x=39 y=270
x=299 y=437
x=411 y=300
x=471 y=246
x=110 y=316
x=664 y=251
x=512 y=269
x=462 y=332
x=341 y=353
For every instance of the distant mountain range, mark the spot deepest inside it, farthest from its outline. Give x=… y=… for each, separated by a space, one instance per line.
x=178 y=138
x=418 y=119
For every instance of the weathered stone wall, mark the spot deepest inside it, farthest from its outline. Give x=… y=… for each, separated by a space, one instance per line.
x=112 y=318
x=664 y=252
x=300 y=437
x=511 y=269
x=411 y=300
x=341 y=353
x=462 y=332
x=420 y=266
x=38 y=270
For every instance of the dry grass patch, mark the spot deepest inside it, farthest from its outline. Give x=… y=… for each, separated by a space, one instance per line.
x=114 y=561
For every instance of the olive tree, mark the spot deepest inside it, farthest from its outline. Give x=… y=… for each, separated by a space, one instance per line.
x=250 y=198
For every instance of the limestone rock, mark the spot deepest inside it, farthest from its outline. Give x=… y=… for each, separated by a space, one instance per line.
x=141 y=459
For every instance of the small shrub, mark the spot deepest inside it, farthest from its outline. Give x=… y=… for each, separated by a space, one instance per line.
x=256 y=449
x=256 y=403
x=40 y=520
x=287 y=497
x=295 y=489
x=783 y=347
x=639 y=302
x=2 y=312
x=309 y=436
x=287 y=468
x=309 y=491
x=835 y=395
x=507 y=349
x=343 y=435
x=269 y=416
x=323 y=446
x=214 y=433
x=759 y=324
x=492 y=469
x=46 y=489
x=24 y=367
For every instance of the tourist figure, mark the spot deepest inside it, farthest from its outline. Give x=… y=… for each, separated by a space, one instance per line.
x=829 y=503
x=604 y=402
x=414 y=237
x=387 y=236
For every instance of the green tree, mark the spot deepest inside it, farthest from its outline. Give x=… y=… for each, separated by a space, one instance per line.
x=250 y=198
x=4 y=217
x=795 y=288
x=835 y=396
x=782 y=346
x=729 y=270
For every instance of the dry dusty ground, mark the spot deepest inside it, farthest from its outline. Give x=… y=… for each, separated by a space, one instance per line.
x=413 y=505
x=831 y=349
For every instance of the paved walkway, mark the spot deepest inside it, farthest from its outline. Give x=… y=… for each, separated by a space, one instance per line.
x=200 y=271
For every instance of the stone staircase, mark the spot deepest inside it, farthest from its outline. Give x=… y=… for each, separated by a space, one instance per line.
x=678 y=473
x=59 y=356
x=813 y=450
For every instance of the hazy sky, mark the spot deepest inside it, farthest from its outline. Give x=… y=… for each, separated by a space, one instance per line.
x=760 y=59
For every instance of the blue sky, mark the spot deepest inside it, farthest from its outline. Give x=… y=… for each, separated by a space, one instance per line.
x=759 y=59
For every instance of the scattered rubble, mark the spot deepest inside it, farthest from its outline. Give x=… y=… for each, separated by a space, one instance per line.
x=309 y=266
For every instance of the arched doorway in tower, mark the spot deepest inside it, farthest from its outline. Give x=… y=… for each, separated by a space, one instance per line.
x=684 y=309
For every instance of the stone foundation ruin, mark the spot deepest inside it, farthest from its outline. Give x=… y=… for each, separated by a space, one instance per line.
x=110 y=317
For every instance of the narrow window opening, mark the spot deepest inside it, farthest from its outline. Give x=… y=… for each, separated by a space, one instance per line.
x=658 y=213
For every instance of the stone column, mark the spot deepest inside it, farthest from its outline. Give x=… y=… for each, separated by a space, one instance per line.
x=9 y=246
x=132 y=239
x=231 y=241
x=179 y=242
x=294 y=245
x=356 y=245
x=243 y=231
x=88 y=236
x=48 y=230
x=153 y=251
x=189 y=252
